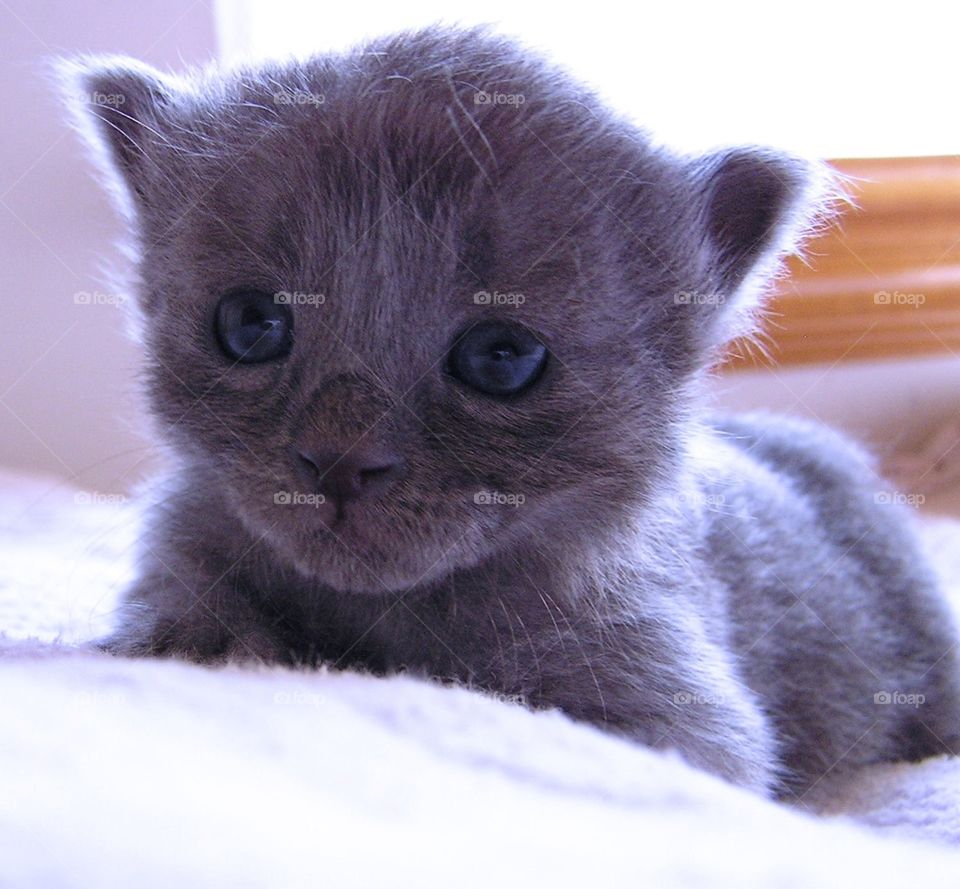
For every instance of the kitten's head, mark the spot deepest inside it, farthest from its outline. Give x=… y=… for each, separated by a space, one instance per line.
x=413 y=305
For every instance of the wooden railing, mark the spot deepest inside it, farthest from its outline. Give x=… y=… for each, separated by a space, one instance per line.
x=884 y=282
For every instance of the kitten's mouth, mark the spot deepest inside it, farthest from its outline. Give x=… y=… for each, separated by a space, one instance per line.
x=368 y=548
x=366 y=566
x=327 y=519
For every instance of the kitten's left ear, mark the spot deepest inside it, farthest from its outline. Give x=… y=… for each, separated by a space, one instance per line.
x=757 y=206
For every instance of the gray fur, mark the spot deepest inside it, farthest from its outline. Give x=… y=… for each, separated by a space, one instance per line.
x=729 y=588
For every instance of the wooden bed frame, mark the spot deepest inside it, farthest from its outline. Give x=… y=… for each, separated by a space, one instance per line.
x=884 y=282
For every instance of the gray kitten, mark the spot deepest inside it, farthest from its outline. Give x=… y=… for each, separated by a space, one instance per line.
x=426 y=329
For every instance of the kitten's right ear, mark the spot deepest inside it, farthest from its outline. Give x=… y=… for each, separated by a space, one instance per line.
x=120 y=104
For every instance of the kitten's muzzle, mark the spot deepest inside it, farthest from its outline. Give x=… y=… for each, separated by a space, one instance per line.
x=362 y=473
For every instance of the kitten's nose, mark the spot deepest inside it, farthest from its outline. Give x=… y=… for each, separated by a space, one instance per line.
x=360 y=473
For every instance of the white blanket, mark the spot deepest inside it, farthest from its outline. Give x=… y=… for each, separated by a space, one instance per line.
x=156 y=773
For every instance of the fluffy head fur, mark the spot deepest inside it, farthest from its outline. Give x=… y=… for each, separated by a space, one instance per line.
x=384 y=183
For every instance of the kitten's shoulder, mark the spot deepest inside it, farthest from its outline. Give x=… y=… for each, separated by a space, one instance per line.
x=811 y=454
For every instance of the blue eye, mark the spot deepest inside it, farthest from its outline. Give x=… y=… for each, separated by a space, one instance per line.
x=252 y=326
x=497 y=358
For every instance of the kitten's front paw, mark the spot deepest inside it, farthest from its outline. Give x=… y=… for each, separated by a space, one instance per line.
x=160 y=638
x=203 y=644
x=122 y=643
x=255 y=646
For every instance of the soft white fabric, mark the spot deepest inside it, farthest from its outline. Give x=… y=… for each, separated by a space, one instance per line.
x=125 y=773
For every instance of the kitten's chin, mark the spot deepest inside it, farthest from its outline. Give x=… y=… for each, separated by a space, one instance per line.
x=374 y=550
x=349 y=561
x=357 y=579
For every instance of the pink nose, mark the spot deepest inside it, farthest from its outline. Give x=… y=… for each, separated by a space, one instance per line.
x=360 y=473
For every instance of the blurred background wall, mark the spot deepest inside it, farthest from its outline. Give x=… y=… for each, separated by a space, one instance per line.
x=67 y=369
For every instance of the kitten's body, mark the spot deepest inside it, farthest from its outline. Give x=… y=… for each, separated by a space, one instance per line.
x=726 y=588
